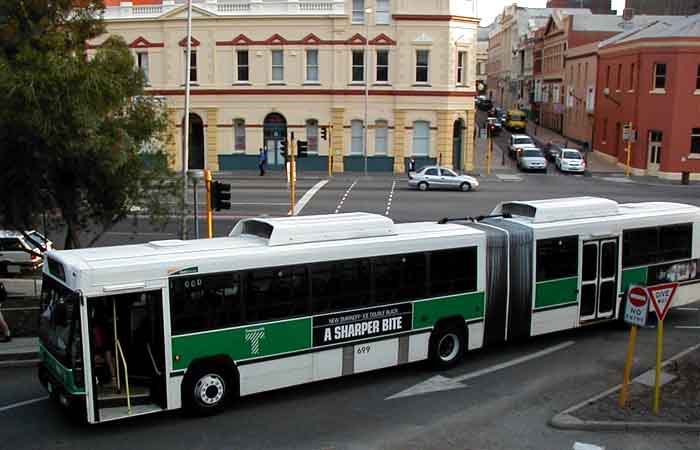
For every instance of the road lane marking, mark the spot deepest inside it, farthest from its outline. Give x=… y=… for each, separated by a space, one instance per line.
x=342 y=200
x=442 y=383
x=308 y=195
x=391 y=196
x=688 y=327
x=24 y=403
x=687 y=308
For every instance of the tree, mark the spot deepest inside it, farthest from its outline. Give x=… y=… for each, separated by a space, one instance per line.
x=71 y=127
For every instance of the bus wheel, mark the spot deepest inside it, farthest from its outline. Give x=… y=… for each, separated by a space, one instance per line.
x=205 y=391
x=447 y=346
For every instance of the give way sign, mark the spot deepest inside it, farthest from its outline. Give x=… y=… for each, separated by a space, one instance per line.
x=661 y=296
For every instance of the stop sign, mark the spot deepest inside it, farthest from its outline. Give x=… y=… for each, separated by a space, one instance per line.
x=638 y=296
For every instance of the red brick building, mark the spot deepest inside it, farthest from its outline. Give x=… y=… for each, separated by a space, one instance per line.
x=664 y=7
x=650 y=76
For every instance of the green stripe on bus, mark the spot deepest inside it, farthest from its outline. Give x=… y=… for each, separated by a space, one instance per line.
x=638 y=275
x=253 y=341
x=556 y=292
x=427 y=312
x=61 y=372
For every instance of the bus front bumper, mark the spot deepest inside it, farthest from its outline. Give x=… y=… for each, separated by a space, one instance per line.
x=58 y=392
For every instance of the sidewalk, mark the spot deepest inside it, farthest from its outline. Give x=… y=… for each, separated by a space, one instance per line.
x=19 y=352
x=596 y=164
x=678 y=410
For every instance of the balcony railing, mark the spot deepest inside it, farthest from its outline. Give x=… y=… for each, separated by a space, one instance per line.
x=126 y=9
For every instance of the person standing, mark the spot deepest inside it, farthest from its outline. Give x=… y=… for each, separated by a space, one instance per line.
x=262 y=160
x=4 y=328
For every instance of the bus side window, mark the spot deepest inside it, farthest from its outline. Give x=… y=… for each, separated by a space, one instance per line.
x=557 y=258
x=452 y=271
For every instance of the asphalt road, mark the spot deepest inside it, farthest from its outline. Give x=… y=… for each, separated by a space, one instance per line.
x=504 y=409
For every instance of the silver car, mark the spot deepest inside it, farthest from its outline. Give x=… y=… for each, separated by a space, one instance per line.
x=435 y=177
x=531 y=158
x=18 y=251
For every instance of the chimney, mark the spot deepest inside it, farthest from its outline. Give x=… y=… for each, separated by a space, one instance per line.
x=627 y=14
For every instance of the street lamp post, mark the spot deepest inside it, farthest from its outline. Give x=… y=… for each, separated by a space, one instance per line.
x=368 y=11
x=186 y=127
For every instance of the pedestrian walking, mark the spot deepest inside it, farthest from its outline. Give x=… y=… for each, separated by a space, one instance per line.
x=411 y=167
x=262 y=160
x=4 y=328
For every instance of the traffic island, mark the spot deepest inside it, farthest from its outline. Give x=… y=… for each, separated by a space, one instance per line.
x=680 y=397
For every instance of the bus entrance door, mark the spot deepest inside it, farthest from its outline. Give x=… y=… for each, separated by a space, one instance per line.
x=127 y=349
x=598 y=279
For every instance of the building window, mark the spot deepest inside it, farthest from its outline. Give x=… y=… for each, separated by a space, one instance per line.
x=358 y=11
x=142 y=61
x=242 y=63
x=383 y=14
x=312 y=135
x=239 y=135
x=383 y=66
x=697 y=79
x=277 y=65
x=607 y=77
x=421 y=138
x=312 y=65
x=659 y=76
x=381 y=128
x=358 y=65
x=619 y=77
x=193 y=66
x=461 y=68
x=695 y=141
x=422 y=66
x=632 y=77
x=356 y=144
x=605 y=130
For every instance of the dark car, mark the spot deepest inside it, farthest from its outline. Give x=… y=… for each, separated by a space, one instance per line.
x=484 y=103
x=552 y=150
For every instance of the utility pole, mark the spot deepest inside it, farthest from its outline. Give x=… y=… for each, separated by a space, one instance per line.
x=292 y=175
x=210 y=218
x=489 y=151
x=366 y=76
x=628 y=168
x=186 y=127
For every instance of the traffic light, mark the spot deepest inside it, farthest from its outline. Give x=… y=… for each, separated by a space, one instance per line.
x=302 y=149
x=284 y=149
x=220 y=196
x=324 y=133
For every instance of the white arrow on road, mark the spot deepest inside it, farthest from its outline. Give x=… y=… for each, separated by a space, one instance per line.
x=441 y=383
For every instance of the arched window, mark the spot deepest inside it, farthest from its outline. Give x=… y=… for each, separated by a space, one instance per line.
x=312 y=135
x=356 y=142
x=239 y=135
x=421 y=138
x=381 y=129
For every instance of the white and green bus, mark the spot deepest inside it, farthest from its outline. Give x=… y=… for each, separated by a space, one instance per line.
x=286 y=301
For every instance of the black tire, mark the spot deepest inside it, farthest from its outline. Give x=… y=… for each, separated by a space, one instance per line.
x=423 y=186
x=465 y=187
x=447 y=346
x=206 y=390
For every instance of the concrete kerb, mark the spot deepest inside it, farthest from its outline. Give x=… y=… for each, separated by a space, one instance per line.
x=566 y=421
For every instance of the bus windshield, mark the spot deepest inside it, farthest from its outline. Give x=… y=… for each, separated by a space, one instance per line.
x=59 y=319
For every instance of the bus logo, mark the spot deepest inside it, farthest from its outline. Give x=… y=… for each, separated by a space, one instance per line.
x=253 y=337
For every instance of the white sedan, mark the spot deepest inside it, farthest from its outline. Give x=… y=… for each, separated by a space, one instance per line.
x=570 y=160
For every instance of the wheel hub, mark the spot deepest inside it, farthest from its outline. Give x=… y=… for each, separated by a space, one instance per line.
x=210 y=389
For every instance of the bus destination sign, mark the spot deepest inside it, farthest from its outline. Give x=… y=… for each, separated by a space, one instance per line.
x=354 y=325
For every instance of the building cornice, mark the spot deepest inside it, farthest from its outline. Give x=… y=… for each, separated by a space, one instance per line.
x=310 y=39
x=436 y=18
x=277 y=92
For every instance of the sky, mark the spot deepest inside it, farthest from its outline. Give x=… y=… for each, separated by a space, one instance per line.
x=489 y=9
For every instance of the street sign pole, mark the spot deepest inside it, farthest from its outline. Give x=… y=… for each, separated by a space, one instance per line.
x=661 y=297
x=210 y=218
x=635 y=314
x=628 y=168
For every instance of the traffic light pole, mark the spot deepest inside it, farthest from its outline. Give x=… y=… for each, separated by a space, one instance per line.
x=293 y=175
x=210 y=215
x=330 y=150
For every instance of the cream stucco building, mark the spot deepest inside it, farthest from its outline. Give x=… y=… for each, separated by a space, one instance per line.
x=264 y=69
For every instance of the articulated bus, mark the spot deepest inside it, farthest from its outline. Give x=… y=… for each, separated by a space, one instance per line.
x=137 y=329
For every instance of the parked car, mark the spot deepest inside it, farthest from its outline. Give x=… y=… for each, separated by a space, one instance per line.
x=531 y=158
x=552 y=150
x=484 y=103
x=518 y=141
x=435 y=177
x=494 y=125
x=571 y=160
x=18 y=251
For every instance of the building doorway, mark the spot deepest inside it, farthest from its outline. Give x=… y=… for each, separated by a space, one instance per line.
x=654 y=153
x=457 y=140
x=274 y=133
x=195 y=156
